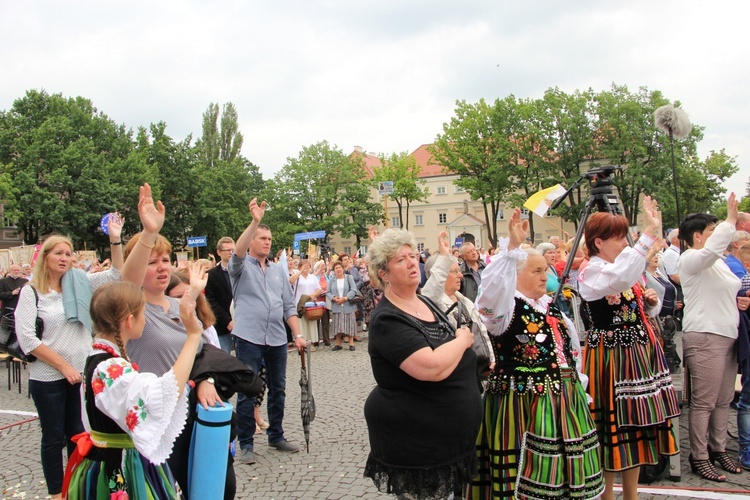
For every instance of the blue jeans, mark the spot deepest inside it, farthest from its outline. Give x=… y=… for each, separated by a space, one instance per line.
x=275 y=360
x=59 y=406
x=225 y=341
x=743 y=411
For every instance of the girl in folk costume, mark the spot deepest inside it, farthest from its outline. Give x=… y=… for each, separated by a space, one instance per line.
x=131 y=418
x=537 y=438
x=629 y=379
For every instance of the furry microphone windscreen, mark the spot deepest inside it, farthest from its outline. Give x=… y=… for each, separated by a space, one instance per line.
x=675 y=120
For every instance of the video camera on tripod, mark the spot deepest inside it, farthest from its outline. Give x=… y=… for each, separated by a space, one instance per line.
x=601 y=195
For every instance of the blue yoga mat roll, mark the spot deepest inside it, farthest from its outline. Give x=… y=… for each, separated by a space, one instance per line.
x=209 y=451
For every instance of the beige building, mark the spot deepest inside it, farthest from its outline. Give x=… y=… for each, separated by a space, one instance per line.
x=448 y=208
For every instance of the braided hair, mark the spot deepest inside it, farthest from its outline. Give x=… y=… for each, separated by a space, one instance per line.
x=111 y=304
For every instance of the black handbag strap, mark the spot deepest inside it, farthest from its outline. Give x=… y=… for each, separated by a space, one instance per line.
x=39 y=323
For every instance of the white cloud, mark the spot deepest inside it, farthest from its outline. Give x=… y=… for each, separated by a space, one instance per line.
x=383 y=75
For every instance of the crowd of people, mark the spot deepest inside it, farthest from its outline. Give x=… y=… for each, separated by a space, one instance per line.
x=485 y=387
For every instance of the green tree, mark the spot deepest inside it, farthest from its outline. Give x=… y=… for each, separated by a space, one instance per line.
x=220 y=143
x=64 y=165
x=175 y=181
x=571 y=135
x=310 y=191
x=228 y=180
x=477 y=145
x=359 y=212
x=403 y=170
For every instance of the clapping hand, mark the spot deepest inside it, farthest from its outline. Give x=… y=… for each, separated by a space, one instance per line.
x=257 y=211
x=152 y=215
x=517 y=229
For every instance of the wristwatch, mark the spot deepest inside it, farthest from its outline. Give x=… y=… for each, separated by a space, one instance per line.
x=300 y=336
x=210 y=380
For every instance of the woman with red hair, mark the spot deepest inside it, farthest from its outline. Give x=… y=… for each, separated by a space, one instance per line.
x=629 y=380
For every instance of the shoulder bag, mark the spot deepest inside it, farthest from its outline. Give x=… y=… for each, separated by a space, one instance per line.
x=480 y=347
x=358 y=297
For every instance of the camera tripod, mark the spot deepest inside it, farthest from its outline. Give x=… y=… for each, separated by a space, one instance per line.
x=600 y=196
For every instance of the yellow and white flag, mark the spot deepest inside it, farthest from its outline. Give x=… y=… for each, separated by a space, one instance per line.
x=540 y=202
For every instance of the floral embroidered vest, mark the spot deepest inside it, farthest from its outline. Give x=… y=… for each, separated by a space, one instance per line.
x=617 y=319
x=527 y=356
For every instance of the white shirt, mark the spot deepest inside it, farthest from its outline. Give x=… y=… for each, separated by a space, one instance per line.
x=305 y=286
x=710 y=287
x=669 y=258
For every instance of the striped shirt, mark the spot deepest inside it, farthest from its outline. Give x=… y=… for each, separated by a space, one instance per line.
x=262 y=300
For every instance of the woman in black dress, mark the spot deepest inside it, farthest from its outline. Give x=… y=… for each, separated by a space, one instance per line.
x=423 y=416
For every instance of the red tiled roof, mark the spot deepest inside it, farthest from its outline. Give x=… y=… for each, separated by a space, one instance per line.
x=421 y=155
x=427 y=164
x=370 y=161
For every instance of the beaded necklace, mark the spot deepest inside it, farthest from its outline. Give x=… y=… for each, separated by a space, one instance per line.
x=110 y=350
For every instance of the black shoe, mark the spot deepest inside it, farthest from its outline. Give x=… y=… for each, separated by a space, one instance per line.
x=725 y=462
x=706 y=470
x=336 y=348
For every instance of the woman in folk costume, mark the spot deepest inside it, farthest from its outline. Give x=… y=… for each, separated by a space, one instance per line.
x=131 y=418
x=537 y=438
x=629 y=379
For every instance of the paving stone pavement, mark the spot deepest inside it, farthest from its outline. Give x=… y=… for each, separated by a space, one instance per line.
x=332 y=470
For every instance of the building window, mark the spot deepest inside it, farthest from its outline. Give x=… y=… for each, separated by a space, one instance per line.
x=9 y=222
x=441 y=190
x=396 y=221
x=459 y=189
x=500 y=215
x=418 y=220
x=442 y=218
x=524 y=213
x=348 y=250
x=420 y=247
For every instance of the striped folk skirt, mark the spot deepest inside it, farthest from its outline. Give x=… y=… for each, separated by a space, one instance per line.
x=538 y=446
x=634 y=400
x=102 y=480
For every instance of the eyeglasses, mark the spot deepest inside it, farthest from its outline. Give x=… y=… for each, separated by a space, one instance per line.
x=226 y=250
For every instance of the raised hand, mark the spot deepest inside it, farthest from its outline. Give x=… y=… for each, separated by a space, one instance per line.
x=373 y=233
x=114 y=226
x=732 y=209
x=444 y=248
x=518 y=229
x=652 y=215
x=151 y=215
x=198 y=279
x=187 y=314
x=257 y=211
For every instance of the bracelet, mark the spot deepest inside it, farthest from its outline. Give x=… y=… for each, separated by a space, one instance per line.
x=300 y=336
x=140 y=240
x=115 y=243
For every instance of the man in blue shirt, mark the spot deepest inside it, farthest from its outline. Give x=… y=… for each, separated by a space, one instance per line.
x=263 y=300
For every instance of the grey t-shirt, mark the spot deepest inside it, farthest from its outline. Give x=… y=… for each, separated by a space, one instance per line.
x=162 y=339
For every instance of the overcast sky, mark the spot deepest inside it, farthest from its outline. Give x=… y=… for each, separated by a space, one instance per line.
x=382 y=74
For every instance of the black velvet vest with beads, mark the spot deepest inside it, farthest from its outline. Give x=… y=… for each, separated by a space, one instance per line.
x=616 y=320
x=525 y=354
